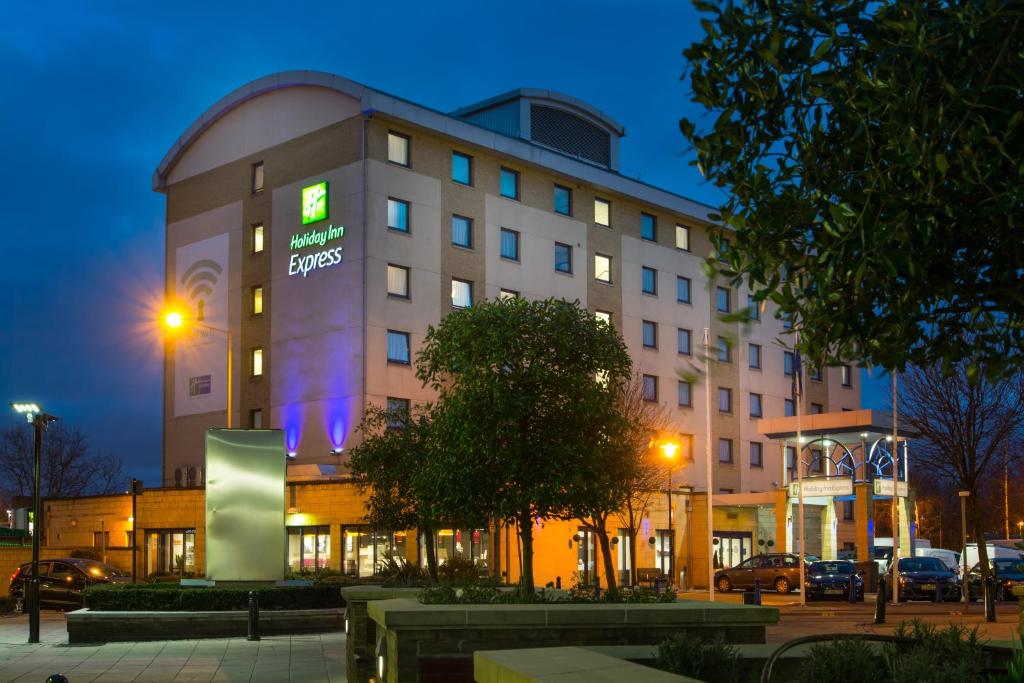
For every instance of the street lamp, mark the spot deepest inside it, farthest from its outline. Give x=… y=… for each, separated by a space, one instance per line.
x=38 y=419
x=669 y=450
x=174 y=321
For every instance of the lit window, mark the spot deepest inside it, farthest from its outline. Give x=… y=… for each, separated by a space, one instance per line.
x=845 y=375
x=682 y=289
x=725 y=450
x=462 y=293
x=257 y=300
x=649 y=280
x=563 y=200
x=507 y=294
x=788 y=362
x=722 y=302
x=650 y=388
x=603 y=316
x=650 y=334
x=397 y=412
x=398 y=281
x=462 y=168
x=563 y=258
x=602 y=212
x=753 y=307
x=398 y=214
x=724 y=350
x=256 y=419
x=398 y=148
x=755 y=406
x=398 y=347
x=725 y=399
x=602 y=268
x=756 y=454
x=509 y=244
x=685 y=394
x=257 y=177
x=684 y=338
x=509 y=183
x=755 y=356
x=462 y=232
x=257 y=238
x=648 y=227
x=789 y=408
x=256 y=361
x=682 y=237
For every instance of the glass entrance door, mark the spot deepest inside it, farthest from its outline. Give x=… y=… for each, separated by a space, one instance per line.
x=732 y=547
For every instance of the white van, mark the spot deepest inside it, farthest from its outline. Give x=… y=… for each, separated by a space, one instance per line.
x=994 y=551
x=950 y=558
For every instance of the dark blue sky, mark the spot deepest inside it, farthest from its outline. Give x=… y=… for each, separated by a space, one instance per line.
x=95 y=95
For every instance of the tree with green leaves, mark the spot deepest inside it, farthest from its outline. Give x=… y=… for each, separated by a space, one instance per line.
x=526 y=414
x=872 y=157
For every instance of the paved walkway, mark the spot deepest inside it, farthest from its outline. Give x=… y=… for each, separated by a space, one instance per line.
x=316 y=658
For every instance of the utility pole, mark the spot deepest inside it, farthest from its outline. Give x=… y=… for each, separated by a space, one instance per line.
x=798 y=382
x=1006 y=492
x=963 y=554
x=895 y=494
x=707 y=457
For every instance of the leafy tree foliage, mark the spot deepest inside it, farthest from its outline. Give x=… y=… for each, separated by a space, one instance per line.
x=526 y=419
x=872 y=155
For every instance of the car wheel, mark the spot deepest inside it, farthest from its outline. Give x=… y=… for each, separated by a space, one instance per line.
x=724 y=584
x=782 y=585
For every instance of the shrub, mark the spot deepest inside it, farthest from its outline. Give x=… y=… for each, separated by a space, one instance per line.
x=846 y=660
x=949 y=655
x=166 y=597
x=401 y=572
x=458 y=570
x=86 y=554
x=691 y=655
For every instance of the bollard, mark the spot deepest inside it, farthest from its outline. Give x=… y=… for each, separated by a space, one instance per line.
x=880 y=602
x=757 y=591
x=254 y=616
x=558 y=582
x=597 y=588
x=853 y=588
x=990 y=598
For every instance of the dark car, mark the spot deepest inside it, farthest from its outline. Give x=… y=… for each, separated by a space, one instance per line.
x=832 y=580
x=780 y=571
x=921 y=577
x=1009 y=575
x=62 y=581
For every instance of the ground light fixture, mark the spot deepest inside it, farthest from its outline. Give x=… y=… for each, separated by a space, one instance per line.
x=382 y=658
x=175 y=321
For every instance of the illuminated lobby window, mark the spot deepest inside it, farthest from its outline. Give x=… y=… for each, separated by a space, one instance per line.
x=309 y=548
x=366 y=550
x=466 y=544
x=170 y=551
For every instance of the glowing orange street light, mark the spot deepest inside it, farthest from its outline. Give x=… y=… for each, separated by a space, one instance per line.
x=174 y=320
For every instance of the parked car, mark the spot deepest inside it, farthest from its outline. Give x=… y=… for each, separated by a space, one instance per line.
x=950 y=558
x=1009 y=576
x=61 y=581
x=780 y=571
x=832 y=580
x=920 y=577
x=995 y=551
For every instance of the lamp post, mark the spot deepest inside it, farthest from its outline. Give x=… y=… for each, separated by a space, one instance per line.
x=174 y=320
x=38 y=419
x=964 y=495
x=669 y=449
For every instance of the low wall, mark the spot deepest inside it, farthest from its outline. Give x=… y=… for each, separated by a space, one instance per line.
x=12 y=557
x=86 y=626
x=562 y=665
x=417 y=640
x=360 y=631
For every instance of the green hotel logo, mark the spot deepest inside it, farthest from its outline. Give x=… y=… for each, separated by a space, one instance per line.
x=314 y=203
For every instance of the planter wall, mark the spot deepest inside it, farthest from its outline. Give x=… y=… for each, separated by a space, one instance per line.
x=360 y=631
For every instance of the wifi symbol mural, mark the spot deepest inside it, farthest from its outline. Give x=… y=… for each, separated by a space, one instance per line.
x=198 y=282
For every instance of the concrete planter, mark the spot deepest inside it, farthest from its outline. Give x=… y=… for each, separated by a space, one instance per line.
x=86 y=626
x=360 y=631
x=436 y=642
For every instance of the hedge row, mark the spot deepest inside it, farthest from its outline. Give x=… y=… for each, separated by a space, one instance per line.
x=144 y=598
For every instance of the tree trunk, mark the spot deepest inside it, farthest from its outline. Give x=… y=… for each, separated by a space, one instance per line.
x=979 y=534
x=606 y=556
x=632 y=555
x=428 y=544
x=526 y=536
x=496 y=560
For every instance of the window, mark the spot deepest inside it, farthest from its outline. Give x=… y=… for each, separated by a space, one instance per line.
x=602 y=212
x=509 y=244
x=563 y=200
x=650 y=334
x=682 y=237
x=649 y=280
x=100 y=539
x=602 y=268
x=754 y=356
x=257 y=238
x=817 y=409
x=508 y=294
x=725 y=399
x=398 y=281
x=508 y=183
x=256 y=361
x=398 y=347
x=663 y=551
x=789 y=408
x=753 y=307
x=257 y=300
x=462 y=232
x=724 y=350
x=648 y=227
x=398 y=148
x=814 y=373
x=788 y=362
x=725 y=450
x=257 y=177
x=650 y=388
x=682 y=289
x=847 y=510
x=756 y=454
x=817 y=460
x=397 y=412
x=309 y=548
x=365 y=551
x=791 y=458
x=563 y=258
x=685 y=394
x=256 y=418
x=462 y=168
x=722 y=302
x=170 y=551
x=845 y=375
x=462 y=293
x=683 y=341
x=755 y=406
x=603 y=316
x=787 y=323
x=398 y=214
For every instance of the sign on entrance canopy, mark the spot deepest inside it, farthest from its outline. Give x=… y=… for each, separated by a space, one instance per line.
x=822 y=487
x=883 y=487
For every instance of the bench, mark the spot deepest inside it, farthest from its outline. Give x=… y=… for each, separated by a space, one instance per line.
x=651 y=576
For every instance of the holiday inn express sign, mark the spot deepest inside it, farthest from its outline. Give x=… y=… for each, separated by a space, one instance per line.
x=314 y=208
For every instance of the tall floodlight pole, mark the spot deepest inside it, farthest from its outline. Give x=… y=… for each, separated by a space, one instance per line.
x=707 y=457
x=798 y=391
x=895 y=494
